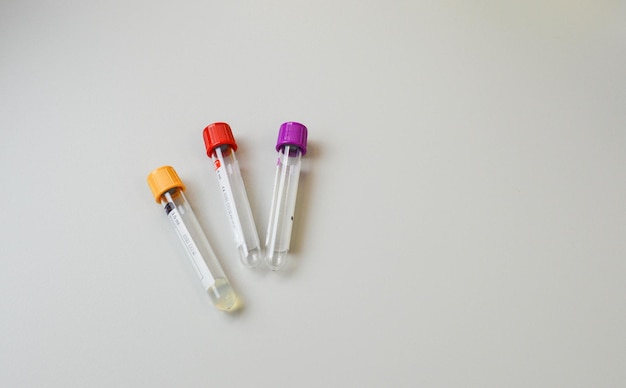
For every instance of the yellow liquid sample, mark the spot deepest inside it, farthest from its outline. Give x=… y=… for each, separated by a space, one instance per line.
x=222 y=295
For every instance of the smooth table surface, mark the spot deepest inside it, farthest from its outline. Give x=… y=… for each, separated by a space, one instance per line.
x=461 y=217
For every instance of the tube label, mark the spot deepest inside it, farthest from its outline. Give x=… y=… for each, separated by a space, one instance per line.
x=229 y=201
x=190 y=246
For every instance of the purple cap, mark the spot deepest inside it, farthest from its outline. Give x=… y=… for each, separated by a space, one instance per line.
x=294 y=134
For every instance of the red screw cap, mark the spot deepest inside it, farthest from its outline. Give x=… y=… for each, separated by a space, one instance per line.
x=216 y=135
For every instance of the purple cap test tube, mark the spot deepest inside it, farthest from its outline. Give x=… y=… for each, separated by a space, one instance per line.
x=291 y=146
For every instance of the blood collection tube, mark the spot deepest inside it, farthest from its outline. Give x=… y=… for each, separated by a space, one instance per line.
x=220 y=147
x=291 y=146
x=168 y=190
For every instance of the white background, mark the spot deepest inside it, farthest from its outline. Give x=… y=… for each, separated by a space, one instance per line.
x=461 y=217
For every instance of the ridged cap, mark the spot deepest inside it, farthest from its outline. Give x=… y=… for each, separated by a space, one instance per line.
x=218 y=134
x=162 y=180
x=292 y=133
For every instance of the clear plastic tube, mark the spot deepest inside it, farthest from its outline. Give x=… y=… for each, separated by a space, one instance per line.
x=221 y=147
x=168 y=190
x=291 y=147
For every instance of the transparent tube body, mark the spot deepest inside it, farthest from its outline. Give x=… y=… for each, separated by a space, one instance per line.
x=198 y=249
x=283 y=207
x=237 y=205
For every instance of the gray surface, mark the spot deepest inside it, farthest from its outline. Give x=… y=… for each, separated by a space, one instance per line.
x=461 y=219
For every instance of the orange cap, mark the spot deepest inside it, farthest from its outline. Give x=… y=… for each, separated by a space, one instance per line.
x=218 y=134
x=162 y=180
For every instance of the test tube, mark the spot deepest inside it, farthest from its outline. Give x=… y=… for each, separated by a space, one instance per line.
x=168 y=190
x=220 y=147
x=291 y=146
